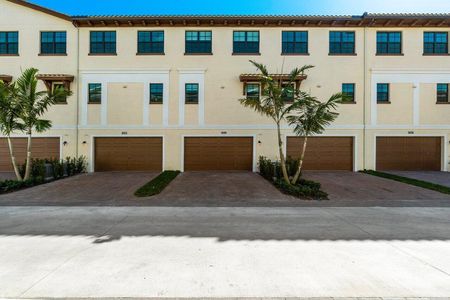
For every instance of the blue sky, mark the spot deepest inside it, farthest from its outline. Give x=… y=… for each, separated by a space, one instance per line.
x=351 y=7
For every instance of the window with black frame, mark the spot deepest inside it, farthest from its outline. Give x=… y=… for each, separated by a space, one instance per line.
x=342 y=42
x=442 y=93
x=252 y=91
x=103 y=42
x=383 y=93
x=191 y=93
x=63 y=99
x=95 y=93
x=287 y=93
x=150 y=42
x=389 y=43
x=246 y=42
x=348 y=91
x=156 y=92
x=198 y=42
x=53 y=42
x=435 y=43
x=9 y=43
x=294 y=42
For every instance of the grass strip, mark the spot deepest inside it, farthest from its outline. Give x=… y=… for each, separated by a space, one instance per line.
x=157 y=184
x=420 y=183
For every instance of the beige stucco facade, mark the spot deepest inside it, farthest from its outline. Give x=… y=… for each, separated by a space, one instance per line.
x=125 y=109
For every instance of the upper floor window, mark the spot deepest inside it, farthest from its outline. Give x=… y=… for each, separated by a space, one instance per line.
x=287 y=94
x=342 y=42
x=435 y=43
x=53 y=42
x=295 y=42
x=383 y=92
x=9 y=42
x=348 y=91
x=95 y=93
x=246 y=42
x=191 y=93
x=442 y=93
x=198 y=42
x=252 y=91
x=389 y=42
x=156 y=92
x=150 y=42
x=103 y=42
x=63 y=99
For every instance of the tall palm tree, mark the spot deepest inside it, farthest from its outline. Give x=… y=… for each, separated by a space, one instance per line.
x=9 y=114
x=312 y=119
x=274 y=104
x=33 y=105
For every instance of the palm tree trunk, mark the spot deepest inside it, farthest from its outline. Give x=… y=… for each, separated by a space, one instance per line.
x=28 y=162
x=282 y=159
x=13 y=159
x=300 y=163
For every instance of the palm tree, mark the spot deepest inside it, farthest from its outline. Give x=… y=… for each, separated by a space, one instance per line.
x=274 y=104
x=9 y=113
x=312 y=119
x=33 y=105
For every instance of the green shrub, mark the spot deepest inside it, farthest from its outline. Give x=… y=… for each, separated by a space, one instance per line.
x=271 y=170
x=7 y=186
x=75 y=165
x=303 y=189
x=157 y=185
x=57 y=168
x=37 y=168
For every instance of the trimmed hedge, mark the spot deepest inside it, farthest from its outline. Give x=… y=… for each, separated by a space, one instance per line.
x=157 y=185
x=306 y=189
x=420 y=183
x=40 y=174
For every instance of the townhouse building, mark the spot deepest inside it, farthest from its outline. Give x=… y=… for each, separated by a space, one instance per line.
x=161 y=92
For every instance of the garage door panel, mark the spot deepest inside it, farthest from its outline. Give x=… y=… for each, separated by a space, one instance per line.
x=408 y=153
x=218 y=153
x=128 y=154
x=323 y=153
x=41 y=148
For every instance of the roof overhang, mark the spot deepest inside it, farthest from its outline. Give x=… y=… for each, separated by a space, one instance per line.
x=41 y=9
x=49 y=79
x=366 y=20
x=6 y=78
x=247 y=78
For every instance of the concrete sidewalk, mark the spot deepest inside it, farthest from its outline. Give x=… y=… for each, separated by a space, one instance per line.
x=224 y=252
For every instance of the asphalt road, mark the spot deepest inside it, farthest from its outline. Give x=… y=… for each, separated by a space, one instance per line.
x=224 y=252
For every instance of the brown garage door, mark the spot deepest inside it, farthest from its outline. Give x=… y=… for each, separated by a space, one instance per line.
x=218 y=153
x=409 y=153
x=323 y=153
x=40 y=148
x=128 y=154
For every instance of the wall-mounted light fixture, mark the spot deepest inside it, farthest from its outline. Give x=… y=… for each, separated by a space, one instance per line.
x=65 y=143
x=84 y=142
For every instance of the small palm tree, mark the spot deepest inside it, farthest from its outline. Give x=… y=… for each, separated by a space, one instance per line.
x=33 y=105
x=9 y=114
x=312 y=119
x=274 y=104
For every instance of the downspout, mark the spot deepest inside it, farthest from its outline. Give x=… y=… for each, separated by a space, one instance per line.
x=78 y=90
x=364 y=97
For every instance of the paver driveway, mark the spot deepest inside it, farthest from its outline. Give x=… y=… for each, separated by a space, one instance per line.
x=222 y=189
x=442 y=178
